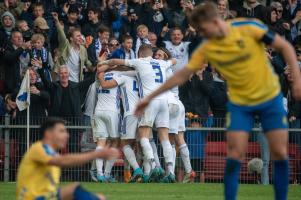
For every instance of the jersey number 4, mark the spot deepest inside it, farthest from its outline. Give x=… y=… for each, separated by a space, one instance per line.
x=159 y=75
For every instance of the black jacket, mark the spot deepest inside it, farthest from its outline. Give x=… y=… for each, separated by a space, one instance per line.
x=55 y=89
x=11 y=63
x=90 y=29
x=195 y=94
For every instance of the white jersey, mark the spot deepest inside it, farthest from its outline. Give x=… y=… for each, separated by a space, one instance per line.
x=174 y=92
x=108 y=99
x=151 y=74
x=129 y=92
x=179 y=52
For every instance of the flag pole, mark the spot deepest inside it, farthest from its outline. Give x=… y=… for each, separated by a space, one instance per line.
x=27 y=129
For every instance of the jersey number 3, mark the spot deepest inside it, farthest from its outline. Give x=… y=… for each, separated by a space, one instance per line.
x=159 y=75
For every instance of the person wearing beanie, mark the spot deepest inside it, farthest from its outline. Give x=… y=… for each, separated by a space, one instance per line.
x=7 y=25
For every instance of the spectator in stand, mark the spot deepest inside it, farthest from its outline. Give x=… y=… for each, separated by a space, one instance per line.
x=195 y=93
x=142 y=38
x=178 y=48
x=125 y=51
x=121 y=18
x=13 y=6
x=15 y=51
x=99 y=44
x=252 y=9
x=8 y=24
x=223 y=9
x=156 y=17
x=23 y=27
x=90 y=28
x=292 y=14
x=152 y=38
x=40 y=26
x=39 y=52
x=272 y=21
x=72 y=53
x=113 y=45
x=131 y=24
x=178 y=14
x=39 y=98
x=72 y=19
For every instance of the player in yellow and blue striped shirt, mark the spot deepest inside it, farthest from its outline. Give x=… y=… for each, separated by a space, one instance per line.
x=39 y=171
x=237 y=50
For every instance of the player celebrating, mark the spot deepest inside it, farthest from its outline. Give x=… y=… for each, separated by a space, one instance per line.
x=39 y=171
x=152 y=74
x=176 y=122
x=106 y=125
x=129 y=95
x=236 y=50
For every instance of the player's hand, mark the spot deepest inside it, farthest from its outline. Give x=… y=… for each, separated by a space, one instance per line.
x=141 y=106
x=109 y=153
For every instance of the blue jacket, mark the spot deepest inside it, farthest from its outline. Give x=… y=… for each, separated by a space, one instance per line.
x=120 y=53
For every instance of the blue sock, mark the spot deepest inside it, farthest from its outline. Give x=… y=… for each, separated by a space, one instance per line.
x=231 y=177
x=280 y=179
x=80 y=193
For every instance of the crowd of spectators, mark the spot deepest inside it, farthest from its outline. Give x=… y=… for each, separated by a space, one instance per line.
x=68 y=37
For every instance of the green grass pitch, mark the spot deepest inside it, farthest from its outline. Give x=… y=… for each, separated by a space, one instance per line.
x=169 y=191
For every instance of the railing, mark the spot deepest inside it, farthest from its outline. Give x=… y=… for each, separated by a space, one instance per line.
x=205 y=139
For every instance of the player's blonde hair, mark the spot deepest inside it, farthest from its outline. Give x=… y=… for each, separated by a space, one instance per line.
x=204 y=12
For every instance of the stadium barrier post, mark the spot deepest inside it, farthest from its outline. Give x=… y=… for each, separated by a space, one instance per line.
x=6 y=149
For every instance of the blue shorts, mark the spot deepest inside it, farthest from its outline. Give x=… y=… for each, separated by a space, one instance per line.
x=271 y=115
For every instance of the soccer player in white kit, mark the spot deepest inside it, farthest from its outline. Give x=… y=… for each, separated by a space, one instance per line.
x=106 y=125
x=176 y=122
x=128 y=84
x=151 y=74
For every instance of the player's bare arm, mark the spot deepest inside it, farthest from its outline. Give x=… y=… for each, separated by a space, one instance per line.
x=289 y=54
x=106 y=84
x=70 y=160
x=178 y=78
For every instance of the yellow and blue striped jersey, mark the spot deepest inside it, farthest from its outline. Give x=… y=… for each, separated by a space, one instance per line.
x=36 y=178
x=241 y=58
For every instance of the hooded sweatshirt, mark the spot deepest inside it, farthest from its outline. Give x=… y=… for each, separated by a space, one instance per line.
x=8 y=30
x=256 y=11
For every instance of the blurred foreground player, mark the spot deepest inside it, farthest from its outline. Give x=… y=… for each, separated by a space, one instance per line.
x=39 y=171
x=236 y=49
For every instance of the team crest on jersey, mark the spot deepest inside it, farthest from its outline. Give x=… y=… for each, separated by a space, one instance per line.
x=241 y=44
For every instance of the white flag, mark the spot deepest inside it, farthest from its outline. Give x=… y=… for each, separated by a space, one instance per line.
x=23 y=97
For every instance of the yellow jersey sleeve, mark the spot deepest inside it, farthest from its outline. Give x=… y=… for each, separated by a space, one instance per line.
x=256 y=29
x=40 y=154
x=197 y=59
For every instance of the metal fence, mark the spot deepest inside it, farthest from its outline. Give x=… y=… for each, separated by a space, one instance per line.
x=205 y=139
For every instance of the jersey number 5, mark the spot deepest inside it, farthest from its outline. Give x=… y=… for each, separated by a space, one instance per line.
x=159 y=75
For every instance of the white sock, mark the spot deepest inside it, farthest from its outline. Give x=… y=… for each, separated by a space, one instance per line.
x=146 y=167
x=155 y=151
x=174 y=153
x=93 y=165
x=108 y=167
x=147 y=149
x=184 y=152
x=168 y=155
x=130 y=156
x=99 y=163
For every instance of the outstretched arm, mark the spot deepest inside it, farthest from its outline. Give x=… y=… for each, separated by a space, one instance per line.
x=106 y=84
x=289 y=55
x=70 y=160
x=178 y=78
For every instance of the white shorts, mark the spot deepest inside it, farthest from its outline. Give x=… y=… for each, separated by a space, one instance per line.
x=157 y=112
x=129 y=128
x=181 y=119
x=106 y=125
x=174 y=113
